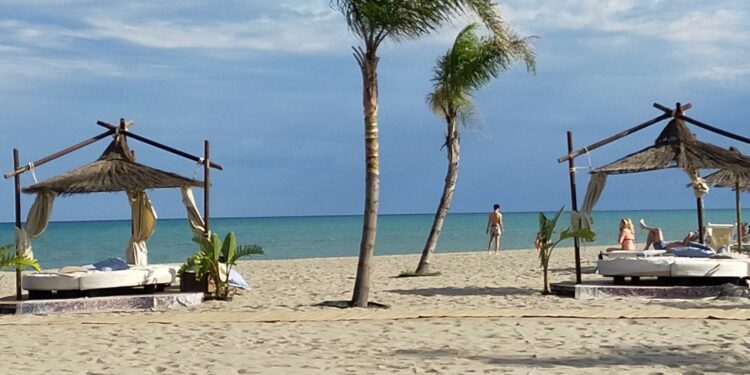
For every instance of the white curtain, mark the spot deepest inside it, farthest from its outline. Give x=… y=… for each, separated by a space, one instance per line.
x=582 y=219
x=197 y=225
x=36 y=222
x=143 y=222
x=700 y=187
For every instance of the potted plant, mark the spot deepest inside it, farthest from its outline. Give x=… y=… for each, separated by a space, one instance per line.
x=211 y=265
x=15 y=261
x=545 y=244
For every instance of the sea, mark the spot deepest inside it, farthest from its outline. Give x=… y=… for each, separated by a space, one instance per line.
x=84 y=242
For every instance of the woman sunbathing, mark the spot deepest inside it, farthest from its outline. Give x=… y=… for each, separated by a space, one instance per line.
x=656 y=238
x=626 y=237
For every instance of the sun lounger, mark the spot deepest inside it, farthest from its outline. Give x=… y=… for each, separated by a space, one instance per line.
x=720 y=235
x=82 y=279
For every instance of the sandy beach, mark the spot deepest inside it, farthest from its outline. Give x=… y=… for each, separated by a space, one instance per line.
x=211 y=338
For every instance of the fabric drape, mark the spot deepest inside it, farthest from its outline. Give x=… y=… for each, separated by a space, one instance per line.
x=36 y=222
x=197 y=225
x=143 y=223
x=700 y=187
x=582 y=219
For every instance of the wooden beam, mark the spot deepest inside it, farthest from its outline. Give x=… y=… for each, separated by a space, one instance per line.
x=159 y=145
x=613 y=138
x=670 y=111
x=716 y=130
x=58 y=154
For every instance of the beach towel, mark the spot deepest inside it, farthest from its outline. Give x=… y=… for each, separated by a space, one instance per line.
x=692 y=252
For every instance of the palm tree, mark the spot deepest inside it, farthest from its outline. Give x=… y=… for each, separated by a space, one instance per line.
x=372 y=22
x=465 y=68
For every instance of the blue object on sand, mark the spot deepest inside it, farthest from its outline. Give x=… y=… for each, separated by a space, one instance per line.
x=236 y=280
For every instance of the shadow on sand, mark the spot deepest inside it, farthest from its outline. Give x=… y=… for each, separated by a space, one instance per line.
x=672 y=356
x=586 y=270
x=467 y=291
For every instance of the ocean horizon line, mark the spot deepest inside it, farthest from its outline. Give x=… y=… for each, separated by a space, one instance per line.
x=312 y=216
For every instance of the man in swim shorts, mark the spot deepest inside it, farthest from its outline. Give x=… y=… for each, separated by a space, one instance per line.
x=494 y=228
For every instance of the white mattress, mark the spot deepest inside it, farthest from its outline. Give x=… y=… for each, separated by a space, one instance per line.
x=652 y=266
x=674 y=267
x=89 y=280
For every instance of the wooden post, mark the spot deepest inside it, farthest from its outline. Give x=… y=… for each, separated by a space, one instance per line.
x=739 y=214
x=574 y=204
x=17 y=199
x=699 y=203
x=206 y=184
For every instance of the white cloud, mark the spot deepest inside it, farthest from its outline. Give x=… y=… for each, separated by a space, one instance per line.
x=723 y=73
x=706 y=40
x=290 y=35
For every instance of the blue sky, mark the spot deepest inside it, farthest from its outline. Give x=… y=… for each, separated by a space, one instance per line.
x=273 y=86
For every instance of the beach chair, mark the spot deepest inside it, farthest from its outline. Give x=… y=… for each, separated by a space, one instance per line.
x=720 y=235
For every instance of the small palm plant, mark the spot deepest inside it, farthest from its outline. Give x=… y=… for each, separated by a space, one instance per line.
x=15 y=261
x=216 y=259
x=545 y=244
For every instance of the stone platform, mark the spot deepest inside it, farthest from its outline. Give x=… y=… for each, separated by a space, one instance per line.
x=133 y=302
x=607 y=289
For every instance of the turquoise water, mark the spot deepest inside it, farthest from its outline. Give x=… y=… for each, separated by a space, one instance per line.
x=82 y=242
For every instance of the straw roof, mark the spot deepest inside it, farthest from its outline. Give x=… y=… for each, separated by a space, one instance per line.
x=677 y=147
x=730 y=178
x=115 y=170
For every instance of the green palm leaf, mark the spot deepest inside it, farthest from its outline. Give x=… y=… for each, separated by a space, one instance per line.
x=469 y=65
x=16 y=261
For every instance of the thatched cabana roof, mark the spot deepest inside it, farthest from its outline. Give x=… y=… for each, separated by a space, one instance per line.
x=115 y=170
x=730 y=178
x=727 y=178
x=677 y=147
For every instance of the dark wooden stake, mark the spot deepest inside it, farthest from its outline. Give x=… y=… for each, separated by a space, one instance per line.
x=739 y=213
x=574 y=204
x=206 y=183
x=17 y=199
x=699 y=203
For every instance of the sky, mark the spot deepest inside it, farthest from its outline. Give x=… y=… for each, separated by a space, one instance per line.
x=274 y=87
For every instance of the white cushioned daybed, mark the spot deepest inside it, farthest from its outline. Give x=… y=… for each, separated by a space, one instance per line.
x=669 y=266
x=81 y=279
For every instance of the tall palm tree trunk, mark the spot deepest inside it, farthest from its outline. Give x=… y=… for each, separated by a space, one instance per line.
x=368 y=64
x=452 y=145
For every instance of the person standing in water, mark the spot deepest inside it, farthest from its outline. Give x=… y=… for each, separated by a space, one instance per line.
x=495 y=228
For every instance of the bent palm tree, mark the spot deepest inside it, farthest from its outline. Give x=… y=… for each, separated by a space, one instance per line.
x=372 y=22
x=465 y=68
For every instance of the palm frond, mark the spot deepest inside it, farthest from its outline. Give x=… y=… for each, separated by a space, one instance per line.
x=375 y=20
x=245 y=250
x=16 y=261
x=469 y=65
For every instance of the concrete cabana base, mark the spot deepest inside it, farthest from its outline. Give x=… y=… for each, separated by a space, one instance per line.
x=135 y=302
x=607 y=289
